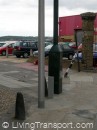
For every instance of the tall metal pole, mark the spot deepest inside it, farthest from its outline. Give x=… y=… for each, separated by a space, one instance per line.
x=55 y=55
x=55 y=33
x=41 y=72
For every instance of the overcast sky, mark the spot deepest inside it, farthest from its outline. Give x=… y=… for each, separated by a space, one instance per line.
x=20 y=17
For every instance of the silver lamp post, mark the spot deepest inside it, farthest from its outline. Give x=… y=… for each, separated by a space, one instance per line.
x=41 y=71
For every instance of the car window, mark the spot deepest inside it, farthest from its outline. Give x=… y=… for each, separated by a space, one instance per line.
x=47 y=48
x=17 y=44
x=72 y=43
x=1 y=44
x=24 y=44
x=33 y=45
x=47 y=43
x=10 y=45
x=65 y=46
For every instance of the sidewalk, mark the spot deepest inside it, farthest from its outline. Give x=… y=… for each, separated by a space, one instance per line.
x=76 y=104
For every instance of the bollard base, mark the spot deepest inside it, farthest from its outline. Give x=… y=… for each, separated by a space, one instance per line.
x=41 y=104
x=55 y=67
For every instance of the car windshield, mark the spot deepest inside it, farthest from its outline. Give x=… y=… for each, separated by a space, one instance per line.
x=2 y=44
x=65 y=46
x=17 y=44
x=72 y=43
x=5 y=45
x=47 y=43
x=47 y=48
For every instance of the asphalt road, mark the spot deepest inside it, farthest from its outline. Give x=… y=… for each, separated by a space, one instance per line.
x=17 y=73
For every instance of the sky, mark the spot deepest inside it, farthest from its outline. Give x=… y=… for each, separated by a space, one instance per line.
x=20 y=17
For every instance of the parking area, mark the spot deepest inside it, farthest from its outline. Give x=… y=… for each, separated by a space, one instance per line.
x=12 y=59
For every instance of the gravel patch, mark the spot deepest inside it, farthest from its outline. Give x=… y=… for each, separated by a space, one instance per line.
x=7 y=99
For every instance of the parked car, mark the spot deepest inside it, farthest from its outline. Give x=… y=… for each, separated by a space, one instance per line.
x=73 y=45
x=48 y=43
x=46 y=50
x=22 y=48
x=67 y=43
x=7 y=45
x=2 y=43
x=79 y=56
x=68 y=52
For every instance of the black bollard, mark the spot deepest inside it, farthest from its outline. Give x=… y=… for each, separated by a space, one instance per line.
x=20 y=108
x=46 y=89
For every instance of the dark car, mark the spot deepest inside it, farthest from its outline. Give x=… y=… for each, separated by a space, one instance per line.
x=68 y=52
x=48 y=43
x=22 y=48
x=46 y=50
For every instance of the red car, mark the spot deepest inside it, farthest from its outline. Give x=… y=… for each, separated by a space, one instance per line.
x=8 y=45
x=72 y=45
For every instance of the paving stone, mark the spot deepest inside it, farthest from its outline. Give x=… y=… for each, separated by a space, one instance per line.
x=81 y=78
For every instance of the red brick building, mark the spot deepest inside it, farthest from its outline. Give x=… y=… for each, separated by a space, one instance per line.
x=68 y=24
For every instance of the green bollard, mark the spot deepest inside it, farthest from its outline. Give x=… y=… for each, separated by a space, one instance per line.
x=55 y=67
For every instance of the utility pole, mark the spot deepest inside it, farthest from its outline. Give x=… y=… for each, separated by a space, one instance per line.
x=41 y=71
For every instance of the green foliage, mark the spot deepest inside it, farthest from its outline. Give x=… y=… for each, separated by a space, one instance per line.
x=19 y=38
x=16 y=38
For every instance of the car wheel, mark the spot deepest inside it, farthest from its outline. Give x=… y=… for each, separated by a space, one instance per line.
x=70 y=56
x=18 y=56
x=3 y=53
x=25 y=55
